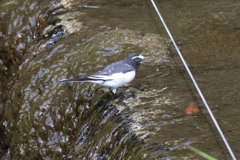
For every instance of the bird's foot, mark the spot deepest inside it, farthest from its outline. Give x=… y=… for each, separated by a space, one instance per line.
x=113 y=90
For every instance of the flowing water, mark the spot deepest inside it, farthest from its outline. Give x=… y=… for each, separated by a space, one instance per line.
x=40 y=42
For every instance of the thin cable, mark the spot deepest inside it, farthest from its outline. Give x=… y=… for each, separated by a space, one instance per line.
x=195 y=83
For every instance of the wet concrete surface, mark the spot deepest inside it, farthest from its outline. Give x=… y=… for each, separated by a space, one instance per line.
x=145 y=119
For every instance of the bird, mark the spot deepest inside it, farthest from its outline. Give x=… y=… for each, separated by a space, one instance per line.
x=114 y=75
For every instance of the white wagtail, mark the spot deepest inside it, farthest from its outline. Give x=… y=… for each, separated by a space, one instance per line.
x=115 y=75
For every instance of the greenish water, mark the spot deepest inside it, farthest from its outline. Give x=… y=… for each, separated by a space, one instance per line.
x=146 y=120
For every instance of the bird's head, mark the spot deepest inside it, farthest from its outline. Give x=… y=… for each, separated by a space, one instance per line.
x=134 y=59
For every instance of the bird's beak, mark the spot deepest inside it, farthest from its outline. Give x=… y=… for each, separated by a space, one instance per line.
x=146 y=59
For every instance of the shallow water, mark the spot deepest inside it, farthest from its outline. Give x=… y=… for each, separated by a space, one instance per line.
x=209 y=36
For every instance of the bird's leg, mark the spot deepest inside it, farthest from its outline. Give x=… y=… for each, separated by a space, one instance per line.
x=113 y=90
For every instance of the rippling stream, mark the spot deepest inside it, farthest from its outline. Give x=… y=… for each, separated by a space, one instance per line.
x=45 y=41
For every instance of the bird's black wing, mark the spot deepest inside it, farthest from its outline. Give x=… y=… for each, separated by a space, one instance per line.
x=117 y=67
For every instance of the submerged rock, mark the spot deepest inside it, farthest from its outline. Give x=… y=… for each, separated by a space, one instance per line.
x=80 y=120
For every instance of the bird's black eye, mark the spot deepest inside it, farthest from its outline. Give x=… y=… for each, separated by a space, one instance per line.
x=137 y=58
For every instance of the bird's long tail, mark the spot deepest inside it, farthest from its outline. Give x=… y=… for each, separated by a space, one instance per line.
x=76 y=79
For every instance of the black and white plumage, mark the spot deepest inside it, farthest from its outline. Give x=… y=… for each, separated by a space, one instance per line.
x=115 y=75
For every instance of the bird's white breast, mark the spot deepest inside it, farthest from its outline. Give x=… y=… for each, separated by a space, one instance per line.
x=119 y=79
